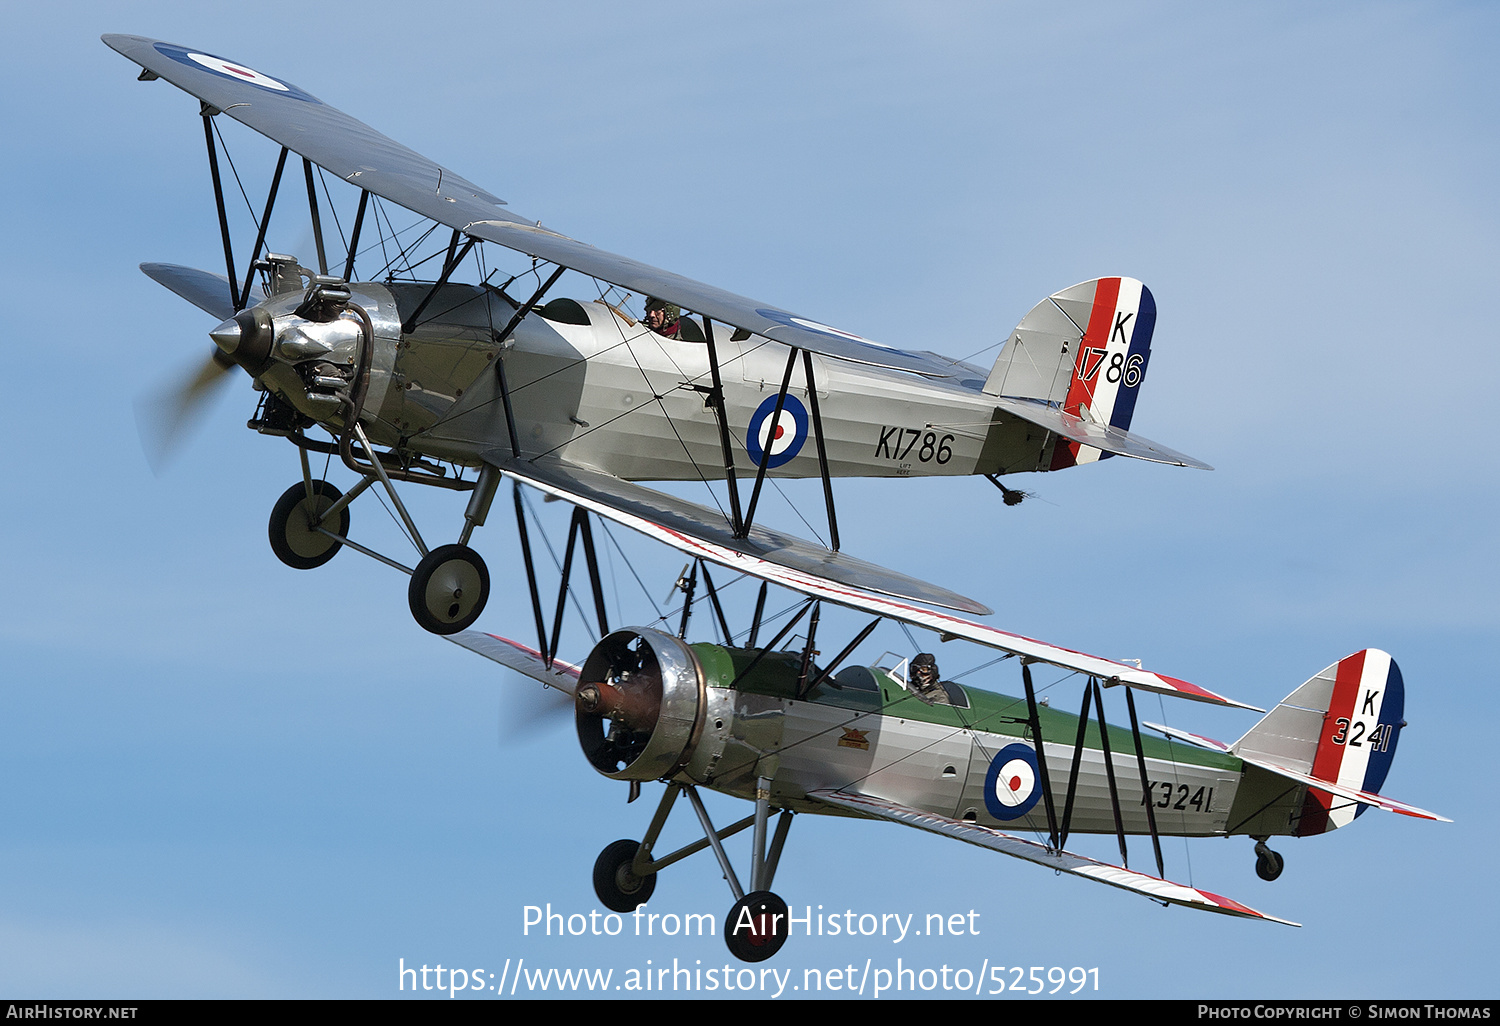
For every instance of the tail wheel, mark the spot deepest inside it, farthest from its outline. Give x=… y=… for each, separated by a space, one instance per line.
x=448 y=589
x=756 y=927
x=619 y=888
x=293 y=538
x=1268 y=864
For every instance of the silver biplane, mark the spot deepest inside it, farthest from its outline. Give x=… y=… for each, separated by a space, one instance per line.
x=425 y=379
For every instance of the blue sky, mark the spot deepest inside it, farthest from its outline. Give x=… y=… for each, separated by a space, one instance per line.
x=221 y=777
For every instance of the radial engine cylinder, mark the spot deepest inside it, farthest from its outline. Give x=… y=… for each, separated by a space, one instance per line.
x=640 y=705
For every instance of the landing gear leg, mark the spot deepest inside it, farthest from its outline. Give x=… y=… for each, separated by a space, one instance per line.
x=1268 y=864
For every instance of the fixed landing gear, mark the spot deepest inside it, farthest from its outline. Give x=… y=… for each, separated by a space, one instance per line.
x=757 y=925
x=616 y=883
x=448 y=589
x=294 y=536
x=1268 y=864
x=449 y=585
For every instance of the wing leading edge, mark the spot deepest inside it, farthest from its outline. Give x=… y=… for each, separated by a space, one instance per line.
x=1061 y=861
x=364 y=157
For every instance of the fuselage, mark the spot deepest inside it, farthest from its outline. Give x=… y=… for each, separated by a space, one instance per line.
x=864 y=732
x=591 y=386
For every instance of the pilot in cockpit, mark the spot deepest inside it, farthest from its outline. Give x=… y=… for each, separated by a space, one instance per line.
x=663 y=318
x=924 y=680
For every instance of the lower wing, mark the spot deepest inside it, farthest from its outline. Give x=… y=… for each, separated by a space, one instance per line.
x=1061 y=861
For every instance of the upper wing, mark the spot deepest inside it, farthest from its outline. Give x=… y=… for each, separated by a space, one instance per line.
x=362 y=156
x=1031 y=851
x=812 y=570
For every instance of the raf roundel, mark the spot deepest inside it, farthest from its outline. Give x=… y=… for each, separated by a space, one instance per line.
x=229 y=69
x=1010 y=787
x=785 y=440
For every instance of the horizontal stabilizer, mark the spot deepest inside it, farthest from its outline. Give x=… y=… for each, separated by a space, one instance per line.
x=1061 y=861
x=1192 y=739
x=1099 y=436
x=209 y=292
x=521 y=658
x=1347 y=793
x=812 y=570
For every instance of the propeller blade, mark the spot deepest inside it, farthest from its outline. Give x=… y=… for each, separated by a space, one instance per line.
x=165 y=418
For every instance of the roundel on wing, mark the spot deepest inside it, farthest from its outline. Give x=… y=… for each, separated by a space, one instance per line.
x=228 y=69
x=784 y=440
x=1011 y=787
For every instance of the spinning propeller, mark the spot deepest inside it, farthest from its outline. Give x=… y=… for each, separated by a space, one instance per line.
x=166 y=417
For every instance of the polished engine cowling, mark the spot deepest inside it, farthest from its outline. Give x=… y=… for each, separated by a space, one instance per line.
x=640 y=705
x=324 y=351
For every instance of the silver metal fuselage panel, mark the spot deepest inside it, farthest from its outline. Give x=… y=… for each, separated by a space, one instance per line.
x=807 y=747
x=619 y=398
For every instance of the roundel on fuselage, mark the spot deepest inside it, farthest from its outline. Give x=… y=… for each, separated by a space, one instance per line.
x=785 y=439
x=1012 y=787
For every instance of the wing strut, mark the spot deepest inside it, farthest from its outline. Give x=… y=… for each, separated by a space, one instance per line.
x=359 y=222
x=774 y=642
x=317 y=222
x=838 y=659
x=716 y=399
x=713 y=598
x=765 y=450
x=760 y=608
x=260 y=235
x=578 y=527
x=500 y=337
x=1109 y=769
x=817 y=419
x=1140 y=760
x=536 y=598
x=688 y=586
x=1041 y=756
x=213 y=169
x=1083 y=723
x=450 y=264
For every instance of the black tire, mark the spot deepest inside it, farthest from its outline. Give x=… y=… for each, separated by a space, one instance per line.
x=762 y=920
x=448 y=589
x=292 y=539
x=620 y=889
x=1268 y=865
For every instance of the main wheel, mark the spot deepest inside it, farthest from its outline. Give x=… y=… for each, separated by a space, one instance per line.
x=619 y=888
x=756 y=927
x=293 y=538
x=1268 y=864
x=448 y=589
